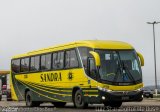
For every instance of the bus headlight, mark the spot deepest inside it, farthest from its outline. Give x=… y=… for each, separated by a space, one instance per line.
x=104 y=89
x=103 y=97
x=140 y=89
x=142 y=96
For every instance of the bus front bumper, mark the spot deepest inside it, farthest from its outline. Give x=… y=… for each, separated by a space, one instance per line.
x=123 y=96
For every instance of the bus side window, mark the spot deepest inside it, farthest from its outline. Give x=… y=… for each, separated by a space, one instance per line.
x=84 y=53
x=37 y=62
x=43 y=61
x=67 y=58
x=46 y=62
x=58 y=60
x=34 y=65
x=54 y=59
x=71 y=60
x=32 y=68
x=24 y=65
x=16 y=65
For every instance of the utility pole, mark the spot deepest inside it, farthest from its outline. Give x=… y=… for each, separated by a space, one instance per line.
x=155 y=65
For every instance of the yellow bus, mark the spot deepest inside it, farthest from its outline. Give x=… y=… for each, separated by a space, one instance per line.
x=82 y=72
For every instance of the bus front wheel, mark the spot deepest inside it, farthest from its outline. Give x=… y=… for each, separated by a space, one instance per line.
x=30 y=102
x=79 y=100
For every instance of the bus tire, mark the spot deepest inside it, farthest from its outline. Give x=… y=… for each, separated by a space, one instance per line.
x=106 y=104
x=59 y=104
x=79 y=100
x=30 y=102
x=115 y=104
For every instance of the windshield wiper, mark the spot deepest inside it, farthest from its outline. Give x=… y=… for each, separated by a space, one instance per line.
x=127 y=70
x=123 y=67
x=119 y=68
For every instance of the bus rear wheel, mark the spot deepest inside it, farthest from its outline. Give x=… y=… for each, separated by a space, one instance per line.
x=30 y=102
x=59 y=104
x=79 y=100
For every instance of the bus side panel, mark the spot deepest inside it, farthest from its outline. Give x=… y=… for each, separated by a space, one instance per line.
x=53 y=85
x=17 y=89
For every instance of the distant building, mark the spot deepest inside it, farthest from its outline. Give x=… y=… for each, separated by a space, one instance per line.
x=4 y=83
x=3 y=76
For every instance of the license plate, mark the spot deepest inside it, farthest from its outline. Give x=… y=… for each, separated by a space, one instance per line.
x=147 y=94
x=125 y=98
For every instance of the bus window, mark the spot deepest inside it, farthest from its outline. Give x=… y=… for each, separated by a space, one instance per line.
x=84 y=53
x=16 y=65
x=37 y=62
x=58 y=60
x=71 y=60
x=54 y=58
x=25 y=65
x=43 y=61
x=46 y=62
x=67 y=55
x=34 y=63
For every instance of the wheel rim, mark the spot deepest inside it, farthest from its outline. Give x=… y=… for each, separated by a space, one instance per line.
x=79 y=99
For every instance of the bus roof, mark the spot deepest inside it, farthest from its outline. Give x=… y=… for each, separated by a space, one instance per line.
x=96 y=44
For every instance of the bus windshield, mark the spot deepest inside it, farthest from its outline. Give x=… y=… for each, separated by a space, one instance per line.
x=120 y=67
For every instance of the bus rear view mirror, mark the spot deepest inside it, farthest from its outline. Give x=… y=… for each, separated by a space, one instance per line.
x=141 y=58
x=96 y=57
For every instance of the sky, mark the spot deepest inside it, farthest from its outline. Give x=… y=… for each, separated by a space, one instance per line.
x=27 y=25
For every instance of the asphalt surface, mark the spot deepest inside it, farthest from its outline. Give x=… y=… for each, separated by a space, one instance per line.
x=149 y=105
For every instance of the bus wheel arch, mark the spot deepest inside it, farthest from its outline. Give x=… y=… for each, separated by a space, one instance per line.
x=74 y=91
x=77 y=93
x=26 y=90
x=29 y=101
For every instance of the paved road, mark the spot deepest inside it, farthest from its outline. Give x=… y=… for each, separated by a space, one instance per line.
x=145 y=105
